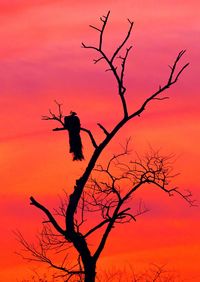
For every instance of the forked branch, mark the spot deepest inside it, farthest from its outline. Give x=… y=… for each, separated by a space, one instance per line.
x=173 y=78
x=111 y=62
x=123 y=43
x=57 y=117
x=119 y=76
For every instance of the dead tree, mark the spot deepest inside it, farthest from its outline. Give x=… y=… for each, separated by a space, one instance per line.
x=104 y=197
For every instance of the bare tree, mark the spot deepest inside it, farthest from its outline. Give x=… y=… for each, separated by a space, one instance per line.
x=105 y=190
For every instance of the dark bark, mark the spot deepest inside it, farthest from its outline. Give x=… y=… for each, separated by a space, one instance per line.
x=90 y=271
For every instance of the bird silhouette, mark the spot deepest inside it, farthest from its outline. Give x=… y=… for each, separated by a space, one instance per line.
x=72 y=124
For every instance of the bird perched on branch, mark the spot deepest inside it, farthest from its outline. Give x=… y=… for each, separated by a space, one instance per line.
x=72 y=124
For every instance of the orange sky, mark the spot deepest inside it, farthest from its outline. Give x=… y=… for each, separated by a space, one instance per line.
x=40 y=61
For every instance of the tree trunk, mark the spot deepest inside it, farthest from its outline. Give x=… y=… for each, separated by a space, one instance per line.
x=90 y=272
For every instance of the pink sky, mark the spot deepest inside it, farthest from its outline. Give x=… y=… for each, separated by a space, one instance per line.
x=41 y=60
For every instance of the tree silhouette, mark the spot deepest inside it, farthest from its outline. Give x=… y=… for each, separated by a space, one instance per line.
x=105 y=190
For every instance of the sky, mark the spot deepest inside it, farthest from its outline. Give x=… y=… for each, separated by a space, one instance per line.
x=41 y=60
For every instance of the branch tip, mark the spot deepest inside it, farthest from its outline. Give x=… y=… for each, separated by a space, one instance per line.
x=94 y=27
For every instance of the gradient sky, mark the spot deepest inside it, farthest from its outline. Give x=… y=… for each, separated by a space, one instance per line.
x=40 y=61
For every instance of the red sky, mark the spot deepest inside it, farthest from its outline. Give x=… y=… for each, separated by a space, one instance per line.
x=40 y=61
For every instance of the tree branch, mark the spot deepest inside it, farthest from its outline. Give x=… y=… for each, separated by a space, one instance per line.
x=49 y=215
x=118 y=77
x=186 y=196
x=104 y=20
x=96 y=227
x=173 y=68
x=122 y=44
x=106 y=234
x=91 y=136
x=124 y=64
x=59 y=117
x=103 y=128
x=170 y=82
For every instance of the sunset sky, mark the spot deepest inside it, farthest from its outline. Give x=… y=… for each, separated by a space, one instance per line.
x=41 y=60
